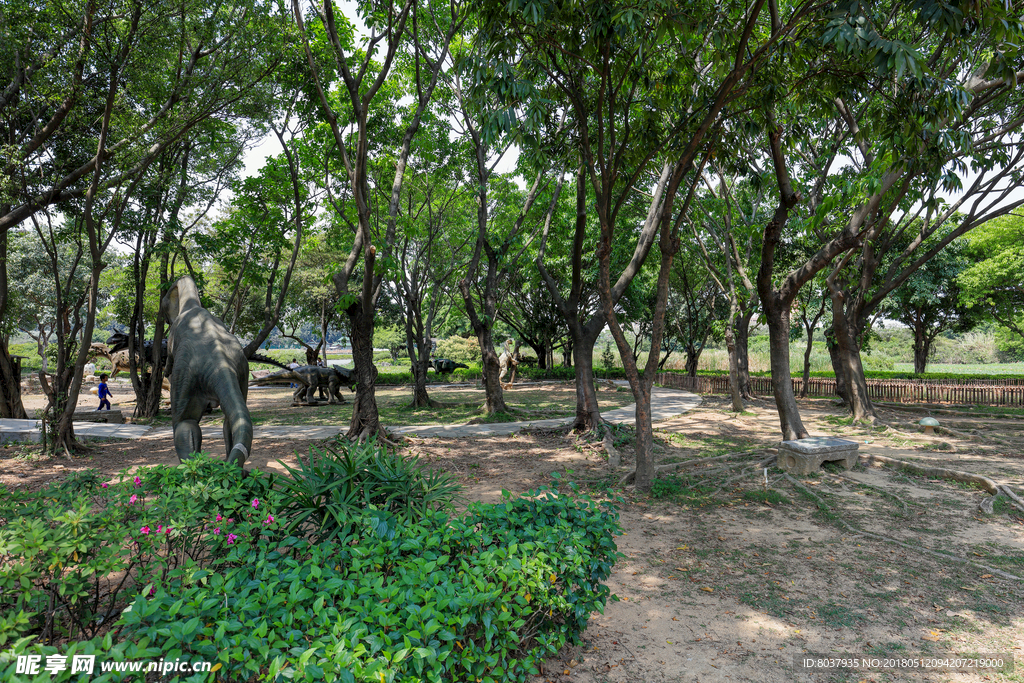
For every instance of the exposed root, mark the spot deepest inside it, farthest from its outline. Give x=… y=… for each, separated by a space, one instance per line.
x=987 y=505
x=1015 y=500
x=614 y=458
x=973 y=437
x=918 y=548
x=887 y=494
x=661 y=469
x=937 y=472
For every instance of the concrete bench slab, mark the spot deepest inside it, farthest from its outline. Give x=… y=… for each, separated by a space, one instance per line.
x=104 y=416
x=805 y=456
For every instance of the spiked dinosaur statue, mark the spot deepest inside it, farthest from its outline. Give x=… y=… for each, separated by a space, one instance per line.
x=205 y=363
x=310 y=378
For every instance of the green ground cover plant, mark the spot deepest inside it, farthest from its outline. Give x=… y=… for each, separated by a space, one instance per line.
x=398 y=590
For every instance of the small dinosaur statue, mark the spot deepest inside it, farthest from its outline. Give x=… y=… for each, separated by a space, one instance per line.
x=310 y=378
x=509 y=359
x=446 y=365
x=205 y=363
x=118 y=359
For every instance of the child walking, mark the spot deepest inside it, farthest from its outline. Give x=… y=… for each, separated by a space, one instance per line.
x=104 y=393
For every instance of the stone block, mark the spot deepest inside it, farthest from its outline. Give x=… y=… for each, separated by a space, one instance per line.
x=107 y=416
x=805 y=456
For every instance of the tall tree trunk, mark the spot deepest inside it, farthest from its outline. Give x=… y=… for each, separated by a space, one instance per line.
x=11 y=406
x=922 y=345
x=807 y=363
x=837 y=364
x=692 y=359
x=588 y=413
x=743 y=355
x=848 y=351
x=365 y=420
x=734 y=385
x=782 y=383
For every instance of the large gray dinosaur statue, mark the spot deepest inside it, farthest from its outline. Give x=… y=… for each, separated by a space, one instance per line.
x=310 y=378
x=205 y=363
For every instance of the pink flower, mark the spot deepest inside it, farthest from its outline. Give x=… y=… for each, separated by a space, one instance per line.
x=104 y=485
x=138 y=482
x=131 y=501
x=216 y=532
x=231 y=520
x=144 y=529
x=152 y=592
x=231 y=538
x=159 y=528
x=219 y=518
x=255 y=502
x=269 y=519
x=167 y=529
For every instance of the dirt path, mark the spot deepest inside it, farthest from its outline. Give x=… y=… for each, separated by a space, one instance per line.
x=733 y=588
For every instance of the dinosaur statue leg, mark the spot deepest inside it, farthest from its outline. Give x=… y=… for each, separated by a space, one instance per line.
x=185 y=416
x=238 y=425
x=334 y=391
x=188 y=439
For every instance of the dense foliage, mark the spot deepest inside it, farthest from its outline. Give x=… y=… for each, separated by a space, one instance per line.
x=388 y=586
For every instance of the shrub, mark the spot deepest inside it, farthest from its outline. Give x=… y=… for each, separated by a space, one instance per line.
x=607 y=357
x=59 y=545
x=332 y=487
x=459 y=349
x=484 y=597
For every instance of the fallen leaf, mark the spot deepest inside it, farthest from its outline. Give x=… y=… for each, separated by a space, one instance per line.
x=986 y=576
x=933 y=639
x=706 y=588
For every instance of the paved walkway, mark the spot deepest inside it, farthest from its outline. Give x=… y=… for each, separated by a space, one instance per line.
x=665 y=404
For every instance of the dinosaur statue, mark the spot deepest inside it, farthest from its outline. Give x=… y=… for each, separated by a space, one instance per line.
x=310 y=378
x=446 y=365
x=509 y=359
x=118 y=359
x=119 y=343
x=205 y=362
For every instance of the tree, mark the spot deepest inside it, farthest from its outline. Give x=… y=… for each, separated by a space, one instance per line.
x=628 y=80
x=78 y=139
x=992 y=283
x=419 y=36
x=863 y=159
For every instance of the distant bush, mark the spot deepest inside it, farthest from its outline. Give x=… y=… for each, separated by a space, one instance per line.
x=459 y=349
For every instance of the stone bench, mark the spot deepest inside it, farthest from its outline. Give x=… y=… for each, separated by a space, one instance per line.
x=106 y=416
x=806 y=456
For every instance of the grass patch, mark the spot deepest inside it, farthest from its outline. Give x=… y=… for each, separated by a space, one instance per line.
x=684 y=490
x=771 y=496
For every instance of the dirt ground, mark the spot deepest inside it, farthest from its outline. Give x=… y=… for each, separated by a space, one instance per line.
x=729 y=587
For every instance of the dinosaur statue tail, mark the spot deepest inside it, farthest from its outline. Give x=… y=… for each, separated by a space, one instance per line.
x=260 y=358
x=237 y=422
x=282 y=376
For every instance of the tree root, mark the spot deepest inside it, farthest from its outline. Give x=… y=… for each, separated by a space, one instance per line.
x=854 y=530
x=938 y=472
x=661 y=469
x=882 y=491
x=973 y=437
x=614 y=458
x=1015 y=500
x=987 y=505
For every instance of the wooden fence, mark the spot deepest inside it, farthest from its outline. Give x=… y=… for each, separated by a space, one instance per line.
x=982 y=392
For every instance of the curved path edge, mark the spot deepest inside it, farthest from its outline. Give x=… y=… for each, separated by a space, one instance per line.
x=665 y=404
